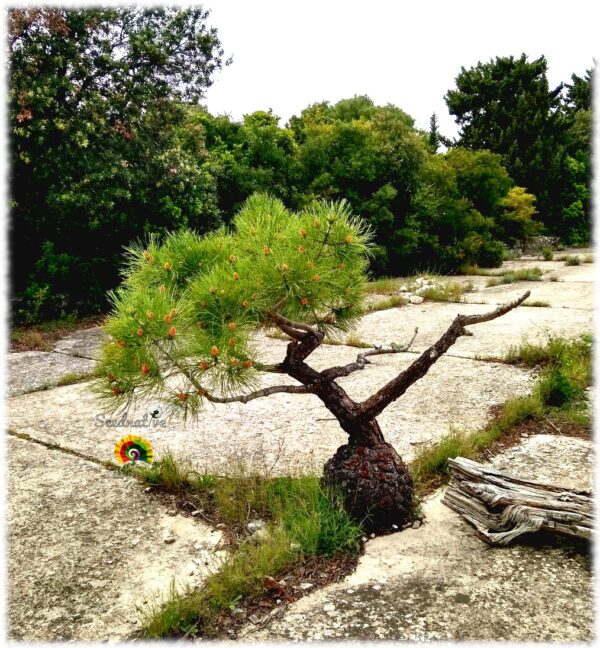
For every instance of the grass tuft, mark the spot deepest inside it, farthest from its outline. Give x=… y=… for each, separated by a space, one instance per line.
x=573 y=260
x=525 y=274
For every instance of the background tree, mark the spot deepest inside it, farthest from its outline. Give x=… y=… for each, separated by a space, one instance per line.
x=95 y=162
x=182 y=325
x=433 y=139
x=507 y=107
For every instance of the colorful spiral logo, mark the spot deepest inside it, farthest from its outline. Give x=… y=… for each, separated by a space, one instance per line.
x=134 y=448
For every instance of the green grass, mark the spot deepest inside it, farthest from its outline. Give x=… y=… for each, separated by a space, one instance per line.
x=572 y=260
x=525 y=274
x=303 y=521
x=355 y=341
x=480 y=272
x=547 y=253
x=391 y=302
x=565 y=372
x=450 y=291
x=384 y=286
x=71 y=378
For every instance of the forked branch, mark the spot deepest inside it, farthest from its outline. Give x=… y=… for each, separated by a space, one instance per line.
x=375 y=404
x=361 y=360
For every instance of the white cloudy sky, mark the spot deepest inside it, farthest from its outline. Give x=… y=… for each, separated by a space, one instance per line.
x=291 y=53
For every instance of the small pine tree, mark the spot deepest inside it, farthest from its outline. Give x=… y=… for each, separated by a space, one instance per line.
x=182 y=322
x=434 y=139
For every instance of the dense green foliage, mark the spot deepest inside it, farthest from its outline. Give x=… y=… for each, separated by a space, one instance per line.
x=96 y=159
x=191 y=303
x=541 y=134
x=108 y=145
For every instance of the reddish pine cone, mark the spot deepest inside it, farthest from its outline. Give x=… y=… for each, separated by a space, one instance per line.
x=304 y=301
x=301 y=249
x=316 y=278
x=232 y=259
x=231 y=342
x=234 y=362
x=231 y=326
x=172 y=331
x=204 y=365
x=214 y=352
x=236 y=276
x=121 y=344
x=247 y=364
x=116 y=391
x=182 y=396
x=266 y=250
x=303 y=233
x=144 y=369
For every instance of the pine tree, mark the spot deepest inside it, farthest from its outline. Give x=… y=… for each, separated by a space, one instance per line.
x=434 y=139
x=182 y=323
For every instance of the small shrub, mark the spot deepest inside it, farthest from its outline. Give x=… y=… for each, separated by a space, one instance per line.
x=572 y=261
x=547 y=253
x=588 y=258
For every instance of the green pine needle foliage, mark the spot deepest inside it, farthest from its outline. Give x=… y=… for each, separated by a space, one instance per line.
x=182 y=320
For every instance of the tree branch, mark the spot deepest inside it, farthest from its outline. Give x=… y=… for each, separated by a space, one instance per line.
x=267 y=391
x=375 y=404
x=362 y=362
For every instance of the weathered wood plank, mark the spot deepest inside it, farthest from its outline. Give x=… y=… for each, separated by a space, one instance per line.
x=501 y=507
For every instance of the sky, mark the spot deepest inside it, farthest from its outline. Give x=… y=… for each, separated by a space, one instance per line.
x=291 y=53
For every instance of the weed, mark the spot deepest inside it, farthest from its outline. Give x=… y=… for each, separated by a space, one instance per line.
x=572 y=260
x=588 y=258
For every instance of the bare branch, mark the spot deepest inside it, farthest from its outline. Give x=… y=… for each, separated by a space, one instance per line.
x=375 y=404
x=362 y=362
x=261 y=393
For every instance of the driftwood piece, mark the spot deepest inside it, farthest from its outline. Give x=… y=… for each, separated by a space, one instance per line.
x=502 y=507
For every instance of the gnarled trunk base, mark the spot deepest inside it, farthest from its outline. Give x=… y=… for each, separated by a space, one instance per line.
x=376 y=484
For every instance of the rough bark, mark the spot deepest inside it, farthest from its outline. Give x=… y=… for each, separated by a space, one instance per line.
x=375 y=482
x=502 y=507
